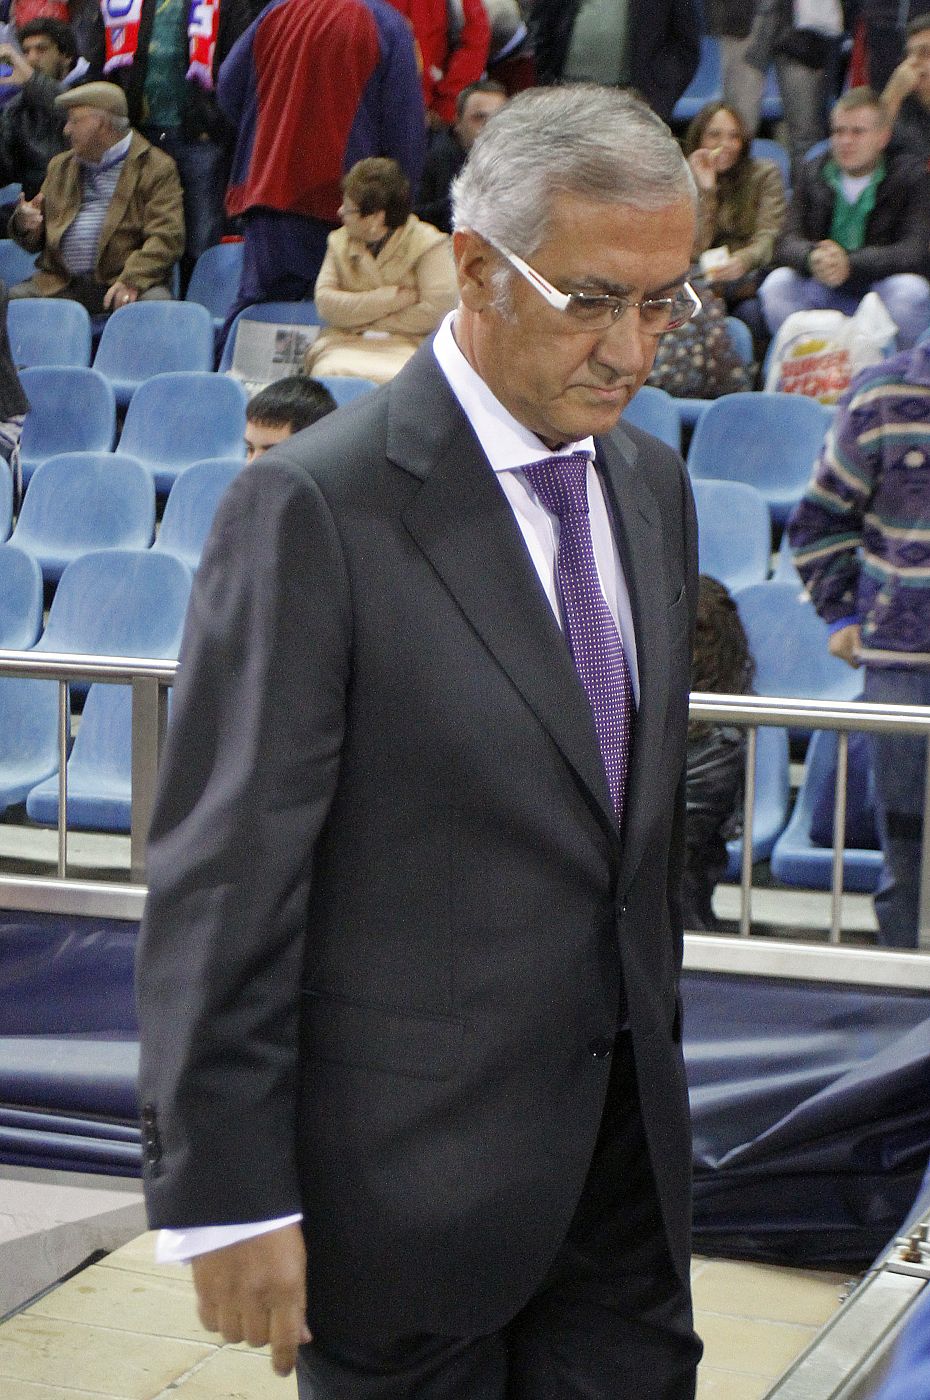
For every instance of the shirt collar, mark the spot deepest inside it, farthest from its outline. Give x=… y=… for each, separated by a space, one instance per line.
x=111 y=157
x=507 y=444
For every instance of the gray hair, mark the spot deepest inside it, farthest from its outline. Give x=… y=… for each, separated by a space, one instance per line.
x=119 y=124
x=596 y=143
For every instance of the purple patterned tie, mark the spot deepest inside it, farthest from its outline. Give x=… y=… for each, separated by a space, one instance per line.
x=593 y=638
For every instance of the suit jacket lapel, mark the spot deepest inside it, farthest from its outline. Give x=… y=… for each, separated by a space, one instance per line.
x=461 y=521
x=638 y=531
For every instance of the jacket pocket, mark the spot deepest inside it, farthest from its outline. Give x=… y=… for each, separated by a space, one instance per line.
x=340 y=1031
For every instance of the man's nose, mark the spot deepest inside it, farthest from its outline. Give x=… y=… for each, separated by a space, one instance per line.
x=621 y=347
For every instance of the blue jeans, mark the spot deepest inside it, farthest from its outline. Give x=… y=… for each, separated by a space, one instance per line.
x=900 y=771
x=905 y=295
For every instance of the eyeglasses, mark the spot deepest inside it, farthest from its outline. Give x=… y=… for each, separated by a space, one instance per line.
x=598 y=312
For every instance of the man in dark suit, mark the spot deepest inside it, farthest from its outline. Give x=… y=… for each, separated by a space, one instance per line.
x=408 y=978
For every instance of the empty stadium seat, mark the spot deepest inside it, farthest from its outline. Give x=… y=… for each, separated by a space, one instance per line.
x=344 y=388
x=771 y=803
x=72 y=409
x=215 y=279
x=788 y=642
x=153 y=337
x=48 y=331
x=740 y=338
x=656 y=412
x=191 y=506
x=15 y=263
x=174 y=420
x=114 y=603
x=119 y=602
x=6 y=500
x=785 y=571
x=734 y=532
x=705 y=86
x=287 y=313
x=28 y=736
x=770 y=441
x=20 y=599
x=83 y=501
x=799 y=858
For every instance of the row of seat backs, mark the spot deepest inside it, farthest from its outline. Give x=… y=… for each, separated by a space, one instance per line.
x=110 y=603
x=173 y=419
x=79 y=502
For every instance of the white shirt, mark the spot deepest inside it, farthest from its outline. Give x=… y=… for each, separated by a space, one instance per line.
x=508 y=447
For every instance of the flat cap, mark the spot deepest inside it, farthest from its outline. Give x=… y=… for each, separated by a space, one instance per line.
x=106 y=97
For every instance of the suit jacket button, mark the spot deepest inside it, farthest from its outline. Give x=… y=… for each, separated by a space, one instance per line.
x=600 y=1048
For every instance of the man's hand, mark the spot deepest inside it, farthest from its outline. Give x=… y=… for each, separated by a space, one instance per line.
x=30 y=214
x=845 y=644
x=22 y=71
x=119 y=295
x=829 y=263
x=255 y=1291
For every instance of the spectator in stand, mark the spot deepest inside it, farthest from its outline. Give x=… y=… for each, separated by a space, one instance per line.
x=804 y=60
x=862 y=547
x=474 y=106
x=109 y=220
x=454 y=39
x=386 y=282
x=343 y=70
x=742 y=208
x=165 y=55
x=906 y=97
x=82 y=15
x=653 y=48
x=32 y=129
x=282 y=409
x=858 y=221
x=722 y=664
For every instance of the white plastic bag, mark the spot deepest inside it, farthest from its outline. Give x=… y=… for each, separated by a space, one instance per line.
x=817 y=352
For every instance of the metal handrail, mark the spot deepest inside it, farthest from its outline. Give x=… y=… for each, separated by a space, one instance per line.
x=150 y=679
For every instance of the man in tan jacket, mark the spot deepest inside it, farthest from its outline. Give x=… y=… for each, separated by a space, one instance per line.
x=109 y=217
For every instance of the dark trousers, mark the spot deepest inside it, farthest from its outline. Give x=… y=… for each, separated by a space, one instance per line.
x=610 y=1321
x=281 y=256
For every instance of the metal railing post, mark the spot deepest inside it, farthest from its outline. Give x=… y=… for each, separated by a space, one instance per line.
x=149 y=721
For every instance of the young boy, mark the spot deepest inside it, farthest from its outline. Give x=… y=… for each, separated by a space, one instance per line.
x=283 y=408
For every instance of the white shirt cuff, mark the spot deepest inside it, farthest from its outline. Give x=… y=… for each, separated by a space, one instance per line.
x=177 y=1246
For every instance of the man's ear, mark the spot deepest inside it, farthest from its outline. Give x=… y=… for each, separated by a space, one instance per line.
x=474 y=267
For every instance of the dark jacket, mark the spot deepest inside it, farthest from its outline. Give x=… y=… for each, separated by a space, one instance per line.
x=444 y=160
x=31 y=132
x=897 y=237
x=664 y=40
x=202 y=116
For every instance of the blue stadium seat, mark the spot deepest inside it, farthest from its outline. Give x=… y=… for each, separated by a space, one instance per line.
x=705 y=86
x=215 y=279
x=789 y=644
x=798 y=857
x=71 y=410
x=784 y=570
x=83 y=501
x=763 y=149
x=116 y=602
x=656 y=412
x=772 y=800
x=344 y=388
x=191 y=506
x=740 y=338
x=119 y=602
x=28 y=736
x=6 y=500
x=771 y=108
x=48 y=331
x=770 y=441
x=20 y=599
x=15 y=263
x=153 y=337
x=734 y=532
x=174 y=420
x=287 y=313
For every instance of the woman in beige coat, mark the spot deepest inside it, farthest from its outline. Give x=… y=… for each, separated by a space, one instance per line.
x=387 y=279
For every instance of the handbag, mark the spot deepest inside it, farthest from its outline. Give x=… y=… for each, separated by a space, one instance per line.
x=698 y=361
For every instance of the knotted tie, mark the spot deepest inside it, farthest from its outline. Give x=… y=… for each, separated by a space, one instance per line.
x=593 y=638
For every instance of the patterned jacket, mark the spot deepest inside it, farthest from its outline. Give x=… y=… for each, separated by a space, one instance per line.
x=861 y=535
